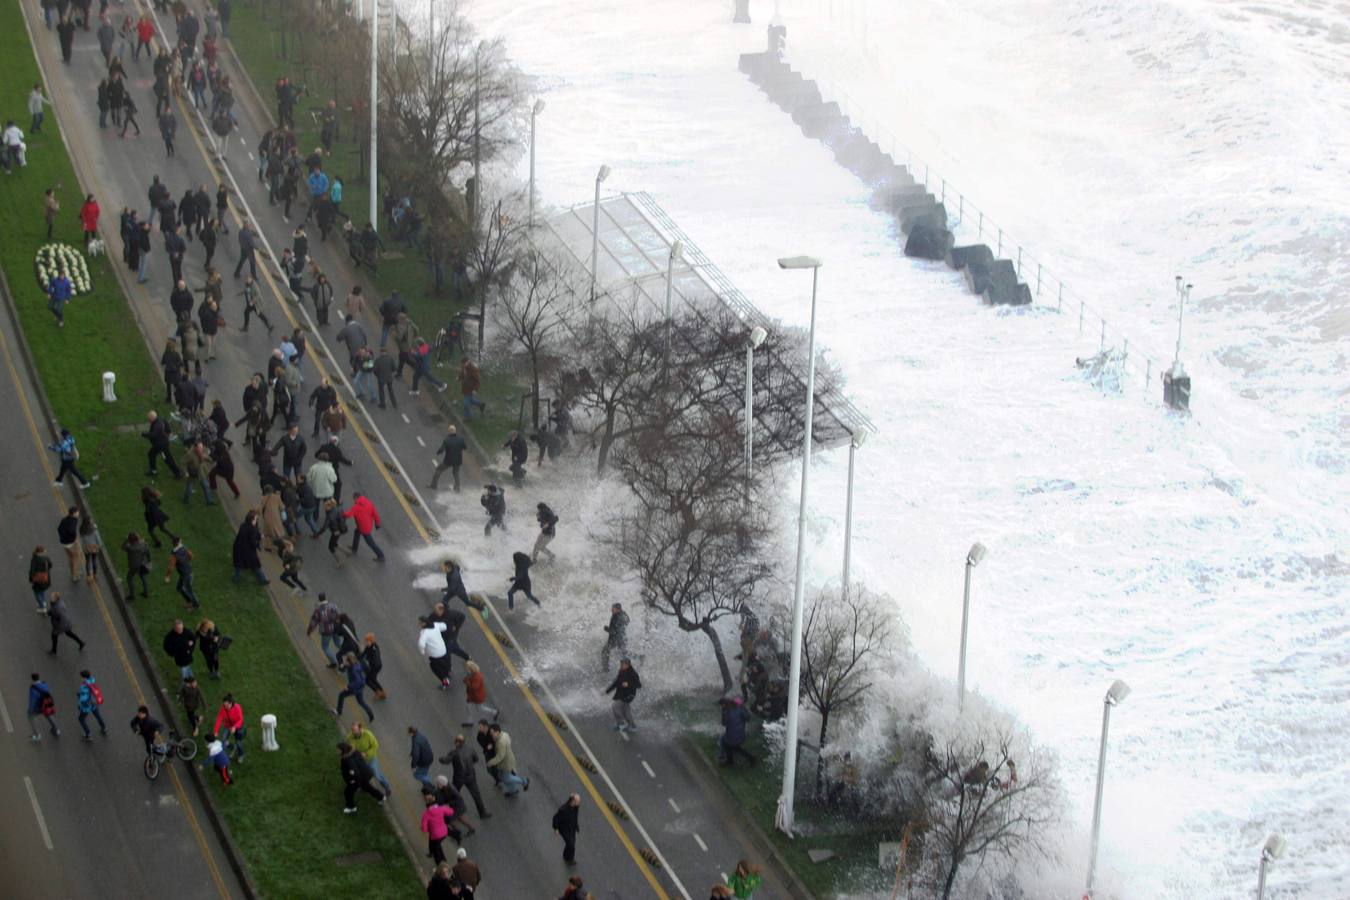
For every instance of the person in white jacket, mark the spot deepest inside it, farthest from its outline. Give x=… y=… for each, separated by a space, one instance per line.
x=432 y=646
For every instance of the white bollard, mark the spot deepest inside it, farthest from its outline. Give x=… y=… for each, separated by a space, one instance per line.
x=269 y=732
x=109 y=379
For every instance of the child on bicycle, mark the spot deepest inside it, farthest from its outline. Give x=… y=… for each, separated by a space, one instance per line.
x=217 y=757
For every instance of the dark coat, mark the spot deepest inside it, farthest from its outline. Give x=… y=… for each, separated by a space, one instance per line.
x=180 y=645
x=452 y=448
x=565 y=820
x=421 y=755
x=462 y=760
x=734 y=719
x=625 y=685
x=246 y=544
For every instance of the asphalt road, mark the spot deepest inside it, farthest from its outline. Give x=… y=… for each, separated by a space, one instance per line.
x=81 y=820
x=668 y=811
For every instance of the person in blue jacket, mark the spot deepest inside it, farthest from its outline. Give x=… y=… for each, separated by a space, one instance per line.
x=59 y=292
x=89 y=697
x=41 y=703
x=68 y=453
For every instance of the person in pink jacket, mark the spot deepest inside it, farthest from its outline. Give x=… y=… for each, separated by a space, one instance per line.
x=367 y=518
x=434 y=825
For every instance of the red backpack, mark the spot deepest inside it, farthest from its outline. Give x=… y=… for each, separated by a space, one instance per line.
x=97 y=693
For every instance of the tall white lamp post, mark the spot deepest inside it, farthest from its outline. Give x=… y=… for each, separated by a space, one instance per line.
x=534 y=114
x=756 y=338
x=854 y=443
x=374 y=112
x=973 y=559
x=595 y=227
x=1115 y=695
x=784 y=819
x=1273 y=850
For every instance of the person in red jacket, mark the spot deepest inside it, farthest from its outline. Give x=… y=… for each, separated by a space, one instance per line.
x=89 y=218
x=367 y=518
x=230 y=725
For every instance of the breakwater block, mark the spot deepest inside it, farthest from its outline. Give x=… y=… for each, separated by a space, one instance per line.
x=928 y=241
x=819 y=120
x=788 y=93
x=890 y=198
x=979 y=272
x=856 y=150
x=925 y=211
x=753 y=63
x=1004 y=290
x=896 y=175
x=873 y=166
x=959 y=257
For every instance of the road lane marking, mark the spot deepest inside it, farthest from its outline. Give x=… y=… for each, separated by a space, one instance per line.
x=405 y=418
x=673 y=805
x=400 y=496
x=420 y=441
x=648 y=768
x=704 y=847
x=37 y=811
x=4 y=714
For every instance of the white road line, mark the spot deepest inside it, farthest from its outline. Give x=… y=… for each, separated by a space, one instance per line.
x=420 y=441
x=673 y=805
x=37 y=811
x=704 y=847
x=624 y=735
x=406 y=420
x=648 y=768
x=4 y=714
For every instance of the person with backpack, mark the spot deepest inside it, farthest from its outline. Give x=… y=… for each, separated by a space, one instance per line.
x=40 y=577
x=89 y=698
x=520 y=581
x=548 y=530
x=324 y=619
x=41 y=703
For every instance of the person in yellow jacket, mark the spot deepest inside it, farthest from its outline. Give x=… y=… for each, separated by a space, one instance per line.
x=363 y=741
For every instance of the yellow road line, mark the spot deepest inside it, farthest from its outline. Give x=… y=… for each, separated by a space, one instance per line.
x=581 y=773
x=107 y=616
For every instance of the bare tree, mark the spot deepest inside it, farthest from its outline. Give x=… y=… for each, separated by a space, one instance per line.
x=846 y=636
x=497 y=239
x=986 y=803
x=696 y=575
x=537 y=312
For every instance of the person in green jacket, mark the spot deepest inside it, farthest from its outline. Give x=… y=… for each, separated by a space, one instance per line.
x=745 y=880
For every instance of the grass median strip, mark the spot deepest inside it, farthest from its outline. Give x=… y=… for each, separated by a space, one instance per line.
x=285 y=809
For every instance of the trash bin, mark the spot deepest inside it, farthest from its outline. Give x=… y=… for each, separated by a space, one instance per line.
x=109 y=381
x=269 y=732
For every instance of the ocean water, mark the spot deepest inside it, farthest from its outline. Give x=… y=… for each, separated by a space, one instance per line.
x=1201 y=559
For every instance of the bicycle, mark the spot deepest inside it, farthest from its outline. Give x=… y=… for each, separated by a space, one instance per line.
x=163 y=750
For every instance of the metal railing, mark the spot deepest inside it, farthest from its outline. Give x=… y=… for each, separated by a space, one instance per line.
x=970 y=223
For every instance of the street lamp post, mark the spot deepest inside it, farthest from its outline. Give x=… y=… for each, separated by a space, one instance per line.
x=374 y=111
x=1115 y=695
x=1272 y=851
x=757 y=336
x=534 y=113
x=853 y=445
x=973 y=559
x=595 y=228
x=785 y=801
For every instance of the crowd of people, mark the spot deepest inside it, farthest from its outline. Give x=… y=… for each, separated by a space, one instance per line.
x=299 y=477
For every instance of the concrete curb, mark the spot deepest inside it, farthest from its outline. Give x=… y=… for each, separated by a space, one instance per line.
x=233 y=856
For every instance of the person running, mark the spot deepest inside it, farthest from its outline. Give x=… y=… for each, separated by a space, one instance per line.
x=356 y=686
x=435 y=819
x=155 y=516
x=138 y=564
x=493 y=502
x=475 y=695
x=333 y=523
x=567 y=826
x=180 y=561
x=504 y=762
x=624 y=687
x=548 y=530
x=520 y=581
x=181 y=644
x=194 y=704
x=451 y=453
x=42 y=704
x=89 y=697
x=431 y=644
x=356 y=776
x=616 y=635
x=420 y=756
x=462 y=760
x=745 y=880
x=69 y=454
x=466 y=870
x=61 y=624
x=290 y=568
x=244 y=552
x=374 y=663
x=230 y=726
x=366 y=518
x=730 y=744
x=363 y=741
x=158 y=435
